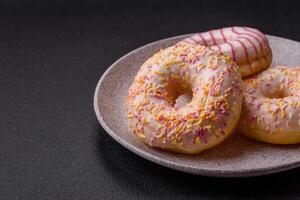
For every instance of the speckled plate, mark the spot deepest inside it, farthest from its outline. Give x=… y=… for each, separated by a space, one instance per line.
x=237 y=156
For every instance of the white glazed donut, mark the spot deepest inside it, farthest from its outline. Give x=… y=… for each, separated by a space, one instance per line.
x=210 y=116
x=248 y=47
x=271 y=106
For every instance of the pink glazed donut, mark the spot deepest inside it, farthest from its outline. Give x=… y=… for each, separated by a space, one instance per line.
x=248 y=47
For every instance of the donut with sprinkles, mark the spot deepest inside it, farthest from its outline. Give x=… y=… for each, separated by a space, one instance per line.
x=212 y=79
x=271 y=106
x=248 y=47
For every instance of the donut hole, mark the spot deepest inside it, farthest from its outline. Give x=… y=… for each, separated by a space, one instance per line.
x=183 y=99
x=180 y=93
x=277 y=93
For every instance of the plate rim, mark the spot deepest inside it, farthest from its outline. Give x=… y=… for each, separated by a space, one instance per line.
x=172 y=164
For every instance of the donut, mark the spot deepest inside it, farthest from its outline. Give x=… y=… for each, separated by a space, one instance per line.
x=271 y=106
x=248 y=47
x=213 y=80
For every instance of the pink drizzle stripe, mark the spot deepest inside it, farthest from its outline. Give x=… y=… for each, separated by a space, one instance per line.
x=194 y=40
x=256 y=33
x=244 y=49
x=222 y=34
x=204 y=41
x=189 y=40
x=253 y=36
x=212 y=37
x=232 y=50
x=200 y=39
x=219 y=48
x=252 y=44
x=234 y=31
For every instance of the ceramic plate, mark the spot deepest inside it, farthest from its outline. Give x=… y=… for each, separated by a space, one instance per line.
x=237 y=156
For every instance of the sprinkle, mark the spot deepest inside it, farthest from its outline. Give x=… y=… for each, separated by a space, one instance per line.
x=198 y=141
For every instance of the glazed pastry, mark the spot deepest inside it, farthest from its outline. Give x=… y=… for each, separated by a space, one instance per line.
x=213 y=80
x=271 y=106
x=248 y=47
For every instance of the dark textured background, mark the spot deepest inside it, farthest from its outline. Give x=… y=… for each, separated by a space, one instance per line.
x=52 y=54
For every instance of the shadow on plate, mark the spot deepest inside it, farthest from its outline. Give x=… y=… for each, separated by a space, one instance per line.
x=138 y=176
